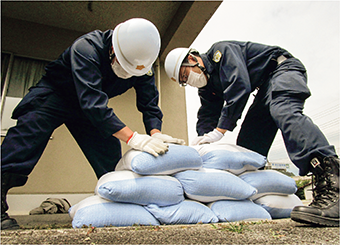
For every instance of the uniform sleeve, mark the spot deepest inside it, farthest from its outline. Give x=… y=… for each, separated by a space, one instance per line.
x=236 y=86
x=209 y=112
x=85 y=65
x=147 y=102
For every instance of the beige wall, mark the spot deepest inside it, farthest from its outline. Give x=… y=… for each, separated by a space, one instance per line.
x=63 y=167
x=173 y=107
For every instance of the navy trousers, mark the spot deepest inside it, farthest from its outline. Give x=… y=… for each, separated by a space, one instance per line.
x=39 y=113
x=278 y=105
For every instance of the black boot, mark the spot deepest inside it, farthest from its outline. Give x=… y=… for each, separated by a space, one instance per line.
x=324 y=209
x=8 y=181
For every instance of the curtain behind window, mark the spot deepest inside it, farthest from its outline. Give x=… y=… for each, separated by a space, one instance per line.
x=25 y=73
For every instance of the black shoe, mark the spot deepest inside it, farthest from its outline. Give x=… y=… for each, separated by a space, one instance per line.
x=8 y=223
x=8 y=181
x=324 y=209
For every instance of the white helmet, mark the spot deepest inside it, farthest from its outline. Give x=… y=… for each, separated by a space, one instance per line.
x=173 y=62
x=136 y=43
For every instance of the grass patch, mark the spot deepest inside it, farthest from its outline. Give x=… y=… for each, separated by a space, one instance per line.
x=239 y=227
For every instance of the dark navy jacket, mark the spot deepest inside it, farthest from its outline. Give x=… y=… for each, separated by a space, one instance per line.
x=235 y=69
x=83 y=75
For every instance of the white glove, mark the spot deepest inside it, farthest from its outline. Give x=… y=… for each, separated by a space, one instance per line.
x=210 y=137
x=168 y=139
x=148 y=144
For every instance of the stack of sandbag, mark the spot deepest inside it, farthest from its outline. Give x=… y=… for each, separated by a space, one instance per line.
x=187 y=185
x=274 y=190
x=226 y=194
x=142 y=191
x=217 y=185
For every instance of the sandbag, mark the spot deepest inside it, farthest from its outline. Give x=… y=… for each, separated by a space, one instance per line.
x=186 y=212
x=269 y=182
x=244 y=210
x=234 y=158
x=178 y=158
x=97 y=212
x=208 y=185
x=279 y=206
x=129 y=187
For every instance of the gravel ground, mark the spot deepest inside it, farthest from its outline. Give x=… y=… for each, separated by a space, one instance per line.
x=264 y=232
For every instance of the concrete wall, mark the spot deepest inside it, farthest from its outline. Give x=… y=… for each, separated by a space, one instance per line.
x=63 y=167
x=173 y=107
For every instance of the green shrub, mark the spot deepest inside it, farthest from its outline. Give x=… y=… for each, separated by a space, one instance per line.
x=301 y=184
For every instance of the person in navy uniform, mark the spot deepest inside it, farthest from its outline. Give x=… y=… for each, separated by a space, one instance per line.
x=225 y=76
x=75 y=91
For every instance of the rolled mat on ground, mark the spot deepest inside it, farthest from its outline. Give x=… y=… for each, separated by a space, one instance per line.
x=184 y=187
x=52 y=206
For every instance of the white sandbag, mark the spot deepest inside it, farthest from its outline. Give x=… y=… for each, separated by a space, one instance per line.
x=208 y=185
x=269 y=182
x=178 y=158
x=129 y=187
x=234 y=158
x=279 y=206
x=232 y=211
x=98 y=212
x=186 y=212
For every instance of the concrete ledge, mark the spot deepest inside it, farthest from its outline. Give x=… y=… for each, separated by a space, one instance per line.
x=43 y=220
x=22 y=204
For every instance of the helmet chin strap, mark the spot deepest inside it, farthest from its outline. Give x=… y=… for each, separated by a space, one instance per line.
x=112 y=54
x=201 y=67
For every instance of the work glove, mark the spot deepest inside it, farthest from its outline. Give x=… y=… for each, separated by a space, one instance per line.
x=148 y=144
x=210 y=137
x=168 y=139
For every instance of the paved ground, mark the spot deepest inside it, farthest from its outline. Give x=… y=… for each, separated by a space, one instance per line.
x=55 y=229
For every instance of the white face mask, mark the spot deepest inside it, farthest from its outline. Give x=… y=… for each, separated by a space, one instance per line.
x=119 y=71
x=197 y=80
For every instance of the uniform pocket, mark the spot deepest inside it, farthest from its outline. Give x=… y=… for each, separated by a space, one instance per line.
x=32 y=100
x=291 y=78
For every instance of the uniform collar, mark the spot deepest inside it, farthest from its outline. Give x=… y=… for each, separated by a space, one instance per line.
x=207 y=63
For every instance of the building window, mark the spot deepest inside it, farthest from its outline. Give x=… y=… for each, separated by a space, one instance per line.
x=18 y=74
